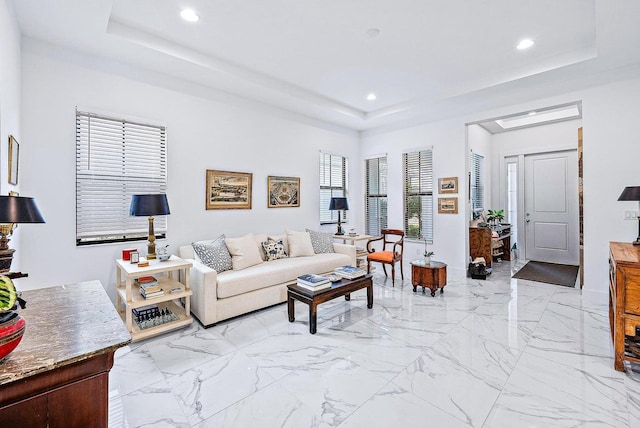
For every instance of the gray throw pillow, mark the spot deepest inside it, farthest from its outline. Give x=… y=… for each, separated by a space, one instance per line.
x=321 y=242
x=214 y=254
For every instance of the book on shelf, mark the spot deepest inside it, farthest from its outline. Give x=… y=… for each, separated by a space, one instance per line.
x=350 y=272
x=146 y=279
x=152 y=294
x=322 y=286
x=311 y=279
x=143 y=310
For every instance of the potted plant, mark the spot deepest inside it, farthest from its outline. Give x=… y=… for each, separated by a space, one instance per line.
x=495 y=216
x=427 y=254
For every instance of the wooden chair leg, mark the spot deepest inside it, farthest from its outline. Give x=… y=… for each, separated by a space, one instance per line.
x=368 y=266
x=401 y=271
x=393 y=274
x=384 y=268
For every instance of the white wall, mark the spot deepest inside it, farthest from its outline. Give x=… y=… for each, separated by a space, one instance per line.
x=611 y=151
x=448 y=139
x=9 y=103
x=201 y=133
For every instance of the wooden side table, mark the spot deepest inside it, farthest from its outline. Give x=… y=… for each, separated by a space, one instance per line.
x=432 y=276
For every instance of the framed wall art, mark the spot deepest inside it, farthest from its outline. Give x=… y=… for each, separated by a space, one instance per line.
x=14 y=154
x=228 y=190
x=448 y=205
x=448 y=185
x=284 y=192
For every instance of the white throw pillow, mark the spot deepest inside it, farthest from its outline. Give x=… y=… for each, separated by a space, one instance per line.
x=299 y=244
x=244 y=251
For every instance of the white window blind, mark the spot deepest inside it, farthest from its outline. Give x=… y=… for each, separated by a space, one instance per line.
x=418 y=194
x=376 y=197
x=333 y=183
x=116 y=158
x=476 y=184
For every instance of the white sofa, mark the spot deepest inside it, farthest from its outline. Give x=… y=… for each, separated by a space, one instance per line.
x=219 y=296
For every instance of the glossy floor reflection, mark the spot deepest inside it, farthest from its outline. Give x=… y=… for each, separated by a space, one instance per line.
x=493 y=353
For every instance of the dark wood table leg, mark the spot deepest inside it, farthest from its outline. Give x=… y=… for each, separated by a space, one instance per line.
x=370 y=296
x=347 y=297
x=313 y=318
x=290 y=310
x=433 y=291
x=415 y=288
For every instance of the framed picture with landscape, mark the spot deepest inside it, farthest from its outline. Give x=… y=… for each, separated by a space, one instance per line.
x=448 y=185
x=228 y=190
x=284 y=192
x=14 y=155
x=447 y=205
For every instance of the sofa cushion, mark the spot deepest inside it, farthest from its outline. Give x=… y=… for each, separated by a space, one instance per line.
x=281 y=271
x=282 y=238
x=299 y=244
x=214 y=254
x=274 y=250
x=244 y=251
x=321 y=242
x=260 y=238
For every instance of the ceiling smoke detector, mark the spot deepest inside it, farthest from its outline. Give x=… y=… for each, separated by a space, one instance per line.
x=372 y=33
x=371 y=97
x=525 y=44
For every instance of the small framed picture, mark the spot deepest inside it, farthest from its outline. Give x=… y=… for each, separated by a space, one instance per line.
x=447 y=205
x=14 y=156
x=448 y=185
x=134 y=256
x=284 y=192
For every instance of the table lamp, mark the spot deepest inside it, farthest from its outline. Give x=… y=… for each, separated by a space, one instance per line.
x=632 y=193
x=339 y=204
x=150 y=205
x=14 y=210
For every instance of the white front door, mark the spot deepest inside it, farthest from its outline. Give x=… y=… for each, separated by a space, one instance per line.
x=551 y=207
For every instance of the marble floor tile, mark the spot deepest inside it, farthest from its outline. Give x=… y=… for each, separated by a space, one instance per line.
x=500 y=352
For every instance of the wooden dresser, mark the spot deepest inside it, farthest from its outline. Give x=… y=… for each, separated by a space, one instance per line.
x=481 y=244
x=624 y=298
x=58 y=376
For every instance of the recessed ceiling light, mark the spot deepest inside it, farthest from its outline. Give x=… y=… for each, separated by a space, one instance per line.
x=371 y=97
x=189 y=15
x=372 y=33
x=525 y=44
x=531 y=113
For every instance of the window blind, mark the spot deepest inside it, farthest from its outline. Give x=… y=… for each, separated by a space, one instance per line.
x=116 y=158
x=418 y=194
x=476 y=163
x=376 y=195
x=333 y=183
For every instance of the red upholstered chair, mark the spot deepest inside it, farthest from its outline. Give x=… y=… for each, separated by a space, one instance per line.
x=392 y=247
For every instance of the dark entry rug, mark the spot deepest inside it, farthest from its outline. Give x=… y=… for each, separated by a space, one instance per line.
x=550 y=273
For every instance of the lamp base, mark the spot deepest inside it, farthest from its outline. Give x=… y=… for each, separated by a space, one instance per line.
x=637 y=241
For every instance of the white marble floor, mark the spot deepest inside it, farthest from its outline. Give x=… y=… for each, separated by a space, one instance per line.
x=494 y=353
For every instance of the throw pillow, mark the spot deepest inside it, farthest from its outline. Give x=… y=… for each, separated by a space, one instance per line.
x=244 y=251
x=274 y=250
x=282 y=238
x=214 y=254
x=299 y=244
x=321 y=242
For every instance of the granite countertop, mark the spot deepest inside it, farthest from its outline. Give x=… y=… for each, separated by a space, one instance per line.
x=65 y=324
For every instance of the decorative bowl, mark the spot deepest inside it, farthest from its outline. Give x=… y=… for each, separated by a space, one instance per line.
x=163 y=257
x=11 y=331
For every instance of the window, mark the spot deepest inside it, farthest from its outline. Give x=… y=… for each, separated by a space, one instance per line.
x=116 y=158
x=376 y=197
x=476 y=182
x=333 y=182
x=418 y=194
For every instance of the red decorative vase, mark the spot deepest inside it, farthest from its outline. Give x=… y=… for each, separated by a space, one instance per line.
x=11 y=331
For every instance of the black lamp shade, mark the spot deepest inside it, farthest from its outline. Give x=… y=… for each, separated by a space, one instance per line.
x=19 y=209
x=149 y=205
x=338 y=204
x=630 y=193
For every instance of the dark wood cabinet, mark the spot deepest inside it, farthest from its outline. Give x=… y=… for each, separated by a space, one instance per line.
x=624 y=300
x=482 y=244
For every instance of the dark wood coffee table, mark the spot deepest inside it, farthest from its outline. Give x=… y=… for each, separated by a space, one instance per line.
x=313 y=298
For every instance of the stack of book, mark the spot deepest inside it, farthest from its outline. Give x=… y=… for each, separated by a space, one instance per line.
x=350 y=272
x=313 y=282
x=149 y=287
